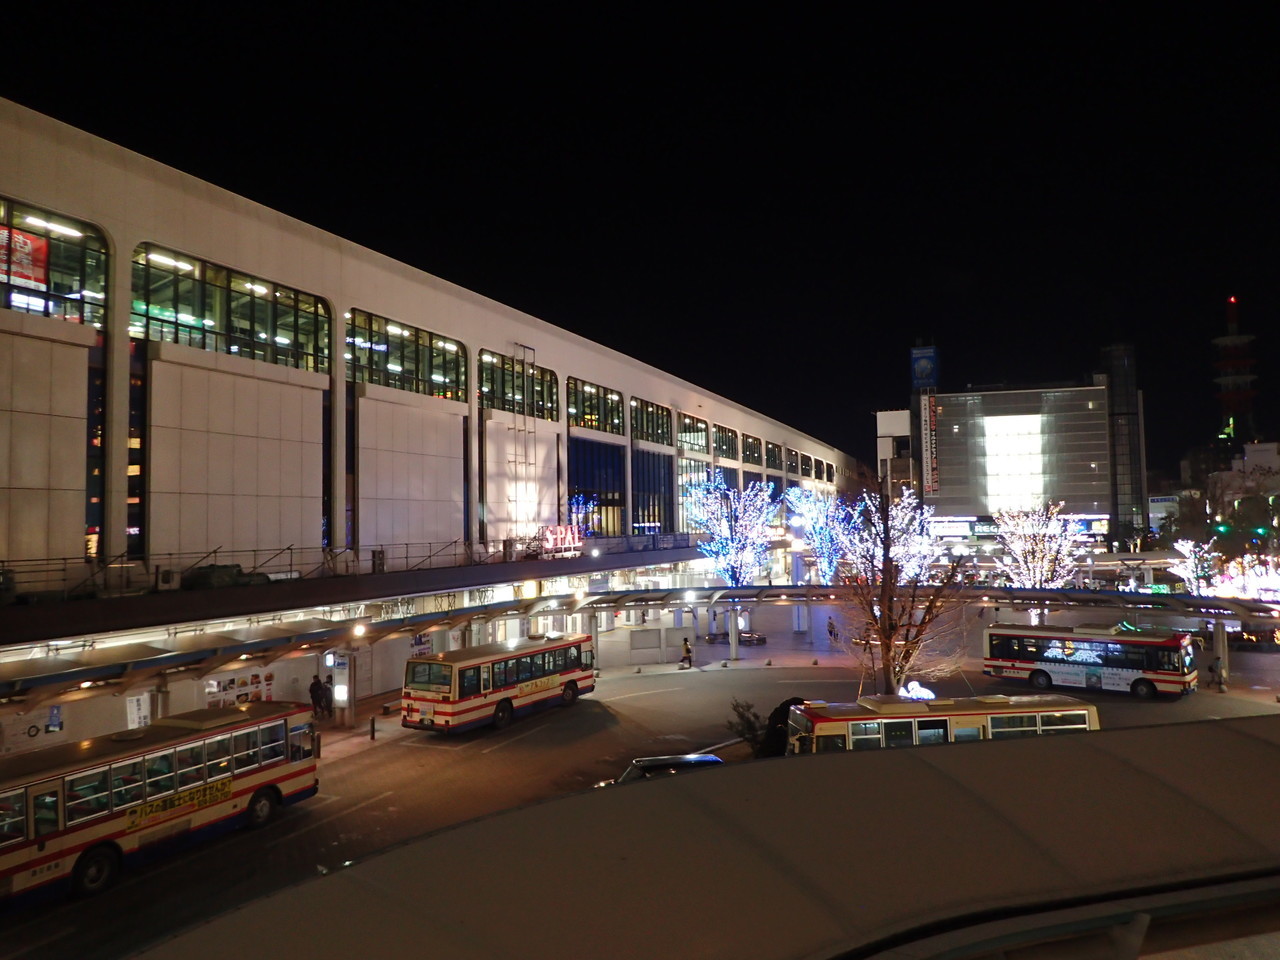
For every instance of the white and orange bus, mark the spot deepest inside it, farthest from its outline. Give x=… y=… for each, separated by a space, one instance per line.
x=78 y=811
x=1142 y=662
x=496 y=682
x=881 y=721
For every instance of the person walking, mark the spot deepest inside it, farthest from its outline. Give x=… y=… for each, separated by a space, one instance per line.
x=687 y=657
x=317 y=696
x=832 y=633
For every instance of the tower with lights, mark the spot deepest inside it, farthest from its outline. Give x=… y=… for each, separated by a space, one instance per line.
x=1235 y=379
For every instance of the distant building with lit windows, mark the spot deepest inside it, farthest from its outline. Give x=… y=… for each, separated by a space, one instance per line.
x=1006 y=449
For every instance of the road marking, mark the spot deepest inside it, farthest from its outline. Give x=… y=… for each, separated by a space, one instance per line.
x=514 y=739
x=320 y=823
x=430 y=745
x=642 y=693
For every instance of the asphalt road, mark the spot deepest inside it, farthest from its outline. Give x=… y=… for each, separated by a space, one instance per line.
x=405 y=784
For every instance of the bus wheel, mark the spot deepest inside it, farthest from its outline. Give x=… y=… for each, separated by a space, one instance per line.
x=96 y=870
x=569 y=695
x=261 y=809
x=1144 y=689
x=1040 y=680
x=502 y=714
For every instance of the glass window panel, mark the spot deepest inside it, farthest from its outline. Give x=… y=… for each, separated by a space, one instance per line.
x=45 y=809
x=217 y=757
x=128 y=784
x=87 y=795
x=300 y=741
x=272 y=736
x=244 y=749
x=13 y=816
x=161 y=778
x=931 y=732
x=899 y=733
x=189 y=761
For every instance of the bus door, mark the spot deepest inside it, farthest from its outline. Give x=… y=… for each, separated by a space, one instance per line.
x=46 y=817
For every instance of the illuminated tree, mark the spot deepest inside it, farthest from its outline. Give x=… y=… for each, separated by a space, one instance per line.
x=907 y=603
x=1038 y=546
x=827 y=524
x=582 y=511
x=1199 y=566
x=737 y=524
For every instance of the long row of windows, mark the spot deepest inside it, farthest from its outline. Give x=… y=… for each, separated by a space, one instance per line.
x=511 y=384
x=185 y=300
x=397 y=355
x=592 y=406
x=507 y=673
x=1104 y=653
x=650 y=421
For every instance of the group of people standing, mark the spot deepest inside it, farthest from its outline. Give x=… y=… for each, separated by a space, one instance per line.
x=322 y=697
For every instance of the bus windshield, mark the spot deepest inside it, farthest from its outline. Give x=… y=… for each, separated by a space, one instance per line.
x=429 y=676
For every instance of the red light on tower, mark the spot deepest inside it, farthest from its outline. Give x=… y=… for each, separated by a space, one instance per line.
x=1231 y=299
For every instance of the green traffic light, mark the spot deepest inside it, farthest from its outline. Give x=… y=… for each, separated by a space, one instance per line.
x=1223 y=527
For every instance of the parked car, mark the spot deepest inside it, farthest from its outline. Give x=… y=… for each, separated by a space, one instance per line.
x=652 y=768
x=745 y=637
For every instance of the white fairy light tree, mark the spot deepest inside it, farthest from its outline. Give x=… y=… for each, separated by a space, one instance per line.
x=907 y=602
x=1038 y=545
x=737 y=524
x=1199 y=565
x=827 y=522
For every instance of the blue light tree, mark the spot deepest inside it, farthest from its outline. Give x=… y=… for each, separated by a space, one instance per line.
x=582 y=511
x=828 y=523
x=737 y=524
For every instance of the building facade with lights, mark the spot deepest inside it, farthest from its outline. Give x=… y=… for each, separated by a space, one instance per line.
x=190 y=379
x=187 y=370
x=993 y=450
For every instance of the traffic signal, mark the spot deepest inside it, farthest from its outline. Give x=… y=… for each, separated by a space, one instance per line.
x=1222 y=527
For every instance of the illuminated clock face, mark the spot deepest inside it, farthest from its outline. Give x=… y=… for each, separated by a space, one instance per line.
x=924 y=368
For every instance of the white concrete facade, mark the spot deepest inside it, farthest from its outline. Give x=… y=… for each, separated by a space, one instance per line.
x=237 y=449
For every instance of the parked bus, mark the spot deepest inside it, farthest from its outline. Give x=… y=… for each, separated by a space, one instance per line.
x=495 y=682
x=891 y=721
x=1143 y=662
x=76 y=812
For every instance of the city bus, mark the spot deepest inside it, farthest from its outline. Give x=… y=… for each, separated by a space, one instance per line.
x=1121 y=657
x=883 y=721
x=496 y=682
x=75 y=813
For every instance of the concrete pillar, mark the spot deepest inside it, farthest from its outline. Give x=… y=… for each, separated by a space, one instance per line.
x=1222 y=650
x=800 y=618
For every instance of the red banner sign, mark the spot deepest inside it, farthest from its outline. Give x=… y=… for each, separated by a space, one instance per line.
x=24 y=259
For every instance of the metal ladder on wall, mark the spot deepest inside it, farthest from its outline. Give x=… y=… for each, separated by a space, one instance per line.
x=522 y=451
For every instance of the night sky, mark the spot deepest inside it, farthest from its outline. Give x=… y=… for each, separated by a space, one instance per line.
x=775 y=205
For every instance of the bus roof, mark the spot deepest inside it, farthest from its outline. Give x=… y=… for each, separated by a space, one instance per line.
x=503 y=648
x=883 y=705
x=66 y=758
x=1121 y=630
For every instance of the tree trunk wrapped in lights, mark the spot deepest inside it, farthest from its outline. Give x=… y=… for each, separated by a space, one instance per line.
x=1199 y=568
x=737 y=524
x=1039 y=548
x=908 y=603
x=826 y=523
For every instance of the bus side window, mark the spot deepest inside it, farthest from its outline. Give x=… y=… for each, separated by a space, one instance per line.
x=127 y=783
x=300 y=741
x=588 y=658
x=87 y=795
x=13 y=817
x=486 y=683
x=500 y=673
x=537 y=666
x=217 y=757
x=469 y=682
x=190 y=760
x=1001 y=646
x=829 y=744
x=524 y=669
x=44 y=806
x=272 y=742
x=160 y=778
x=930 y=732
x=899 y=733
x=557 y=660
x=573 y=658
x=244 y=747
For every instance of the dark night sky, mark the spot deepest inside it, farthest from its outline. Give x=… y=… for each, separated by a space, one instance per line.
x=773 y=204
